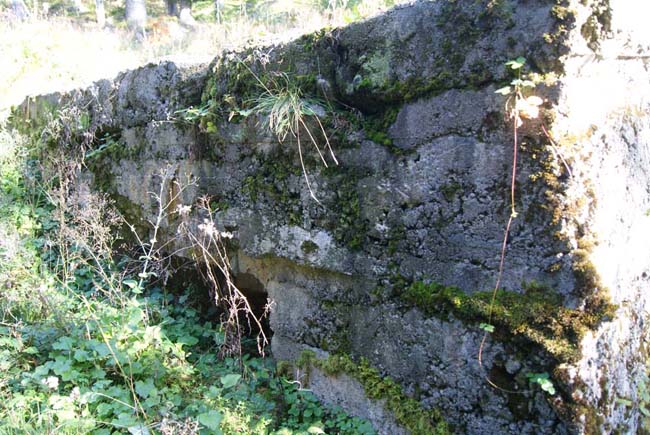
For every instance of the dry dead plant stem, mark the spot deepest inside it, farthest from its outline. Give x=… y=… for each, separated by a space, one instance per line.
x=209 y=250
x=84 y=237
x=169 y=193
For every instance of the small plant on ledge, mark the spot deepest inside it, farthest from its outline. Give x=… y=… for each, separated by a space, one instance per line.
x=288 y=112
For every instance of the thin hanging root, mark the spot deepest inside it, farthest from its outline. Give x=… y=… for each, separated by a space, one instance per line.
x=327 y=141
x=304 y=170
x=302 y=122
x=487 y=379
x=491 y=308
x=513 y=214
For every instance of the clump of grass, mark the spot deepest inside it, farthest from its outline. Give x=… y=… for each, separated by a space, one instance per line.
x=288 y=112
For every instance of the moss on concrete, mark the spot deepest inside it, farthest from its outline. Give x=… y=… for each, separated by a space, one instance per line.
x=407 y=411
x=450 y=190
x=598 y=24
x=272 y=181
x=308 y=247
x=377 y=70
x=346 y=221
x=535 y=316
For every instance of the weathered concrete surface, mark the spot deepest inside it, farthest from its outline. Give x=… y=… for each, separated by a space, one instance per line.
x=340 y=390
x=609 y=145
x=432 y=206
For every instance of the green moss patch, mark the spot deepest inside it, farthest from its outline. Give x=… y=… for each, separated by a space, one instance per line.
x=345 y=220
x=272 y=182
x=407 y=411
x=308 y=247
x=536 y=315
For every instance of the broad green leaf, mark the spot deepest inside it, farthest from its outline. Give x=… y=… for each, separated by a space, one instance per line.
x=229 y=381
x=542 y=379
x=188 y=340
x=624 y=402
x=61 y=366
x=133 y=285
x=145 y=388
x=126 y=419
x=63 y=343
x=486 y=327
x=101 y=349
x=31 y=350
x=130 y=283
x=81 y=355
x=139 y=429
x=315 y=430
x=211 y=420
x=644 y=410
x=547 y=386
x=517 y=63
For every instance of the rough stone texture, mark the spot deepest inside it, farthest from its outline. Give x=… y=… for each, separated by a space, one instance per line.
x=609 y=145
x=340 y=390
x=431 y=207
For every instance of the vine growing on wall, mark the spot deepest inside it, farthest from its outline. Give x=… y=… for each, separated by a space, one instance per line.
x=519 y=107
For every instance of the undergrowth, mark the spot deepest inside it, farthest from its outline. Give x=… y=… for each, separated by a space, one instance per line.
x=91 y=342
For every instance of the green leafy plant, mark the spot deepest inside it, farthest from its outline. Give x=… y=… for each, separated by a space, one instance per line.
x=543 y=380
x=642 y=403
x=518 y=107
x=487 y=327
x=90 y=344
x=200 y=116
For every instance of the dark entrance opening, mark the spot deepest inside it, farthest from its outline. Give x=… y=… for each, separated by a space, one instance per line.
x=188 y=277
x=257 y=297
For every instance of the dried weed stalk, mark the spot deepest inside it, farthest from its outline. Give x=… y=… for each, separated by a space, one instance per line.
x=208 y=247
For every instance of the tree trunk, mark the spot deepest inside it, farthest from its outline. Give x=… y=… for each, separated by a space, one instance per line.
x=136 y=17
x=79 y=7
x=19 y=10
x=172 y=7
x=218 y=10
x=100 y=13
x=186 y=4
